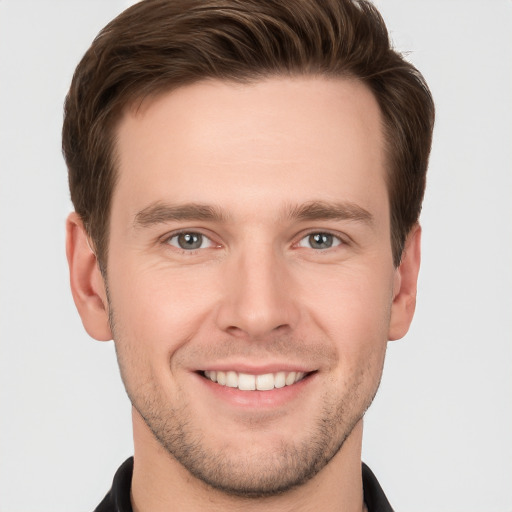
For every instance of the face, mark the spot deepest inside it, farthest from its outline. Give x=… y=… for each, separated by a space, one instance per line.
x=250 y=274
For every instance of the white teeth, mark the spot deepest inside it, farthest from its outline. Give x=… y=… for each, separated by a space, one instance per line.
x=290 y=378
x=280 y=380
x=231 y=379
x=265 y=382
x=248 y=382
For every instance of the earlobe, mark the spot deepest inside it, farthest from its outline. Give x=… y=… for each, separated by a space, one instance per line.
x=87 y=285
x=405 y=286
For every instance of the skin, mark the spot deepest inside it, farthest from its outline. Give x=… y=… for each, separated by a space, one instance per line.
x=277 y=161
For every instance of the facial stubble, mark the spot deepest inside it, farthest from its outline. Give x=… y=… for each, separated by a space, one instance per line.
x=266 y=473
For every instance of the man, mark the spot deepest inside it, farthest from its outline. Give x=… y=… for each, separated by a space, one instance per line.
x=247 y=178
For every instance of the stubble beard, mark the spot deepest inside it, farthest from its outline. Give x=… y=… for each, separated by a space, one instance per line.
x=267 y=473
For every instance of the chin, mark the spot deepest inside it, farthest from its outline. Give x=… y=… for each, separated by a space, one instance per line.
x=255 y=464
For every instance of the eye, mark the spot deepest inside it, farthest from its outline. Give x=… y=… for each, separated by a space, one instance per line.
x=320 y=241
x=190 y=241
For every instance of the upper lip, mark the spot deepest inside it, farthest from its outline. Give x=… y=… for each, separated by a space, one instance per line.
x=257 y=369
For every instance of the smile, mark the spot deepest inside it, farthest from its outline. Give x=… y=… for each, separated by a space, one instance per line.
x=249 y=382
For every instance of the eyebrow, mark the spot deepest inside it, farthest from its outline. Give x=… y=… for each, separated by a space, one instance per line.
x=159 y=213
x=322 y=210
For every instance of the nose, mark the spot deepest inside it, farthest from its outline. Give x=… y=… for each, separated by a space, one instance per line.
x=258 y=296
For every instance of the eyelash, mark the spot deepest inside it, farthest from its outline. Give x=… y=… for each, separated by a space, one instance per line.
x=167 y=240
x=336 y=241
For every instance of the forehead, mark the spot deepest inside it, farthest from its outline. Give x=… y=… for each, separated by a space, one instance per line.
x=288 y=140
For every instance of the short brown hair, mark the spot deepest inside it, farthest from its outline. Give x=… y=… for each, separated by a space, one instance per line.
x=158 y=45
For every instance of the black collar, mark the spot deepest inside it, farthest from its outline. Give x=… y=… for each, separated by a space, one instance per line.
x=118 y=498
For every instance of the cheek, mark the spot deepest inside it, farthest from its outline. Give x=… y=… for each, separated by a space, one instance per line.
x=159 y=309
x=355 y=305
x=154 y=316
x=355 y=317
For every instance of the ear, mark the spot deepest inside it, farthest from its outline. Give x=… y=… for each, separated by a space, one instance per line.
x=405 y=285
x=87 y=285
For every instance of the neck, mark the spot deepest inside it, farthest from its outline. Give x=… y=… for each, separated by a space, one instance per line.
x=160 y=483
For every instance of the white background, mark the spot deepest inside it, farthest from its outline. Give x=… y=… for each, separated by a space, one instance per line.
x=439 y=435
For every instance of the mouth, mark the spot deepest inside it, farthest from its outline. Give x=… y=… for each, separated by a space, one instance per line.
x=251 y=382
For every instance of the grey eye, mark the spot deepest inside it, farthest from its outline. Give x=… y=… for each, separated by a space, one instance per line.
x=320 y=241
x=189 y=241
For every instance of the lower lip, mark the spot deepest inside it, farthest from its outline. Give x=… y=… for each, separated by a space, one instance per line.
x=258 y=399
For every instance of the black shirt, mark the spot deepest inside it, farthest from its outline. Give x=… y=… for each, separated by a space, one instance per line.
x=118 y=498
